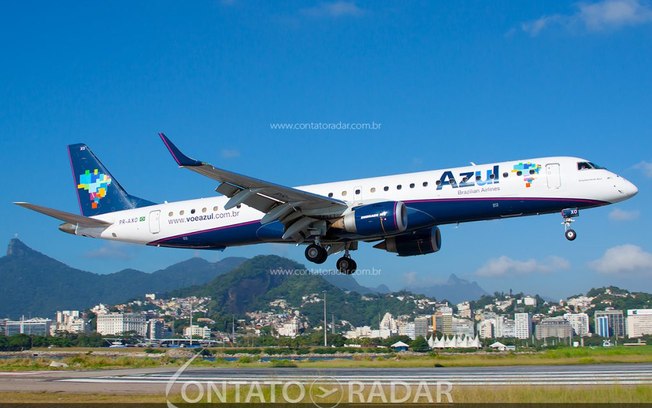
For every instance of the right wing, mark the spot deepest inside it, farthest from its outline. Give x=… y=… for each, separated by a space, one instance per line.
x=299 y=211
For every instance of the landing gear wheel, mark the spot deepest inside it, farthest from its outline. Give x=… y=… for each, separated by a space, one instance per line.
x=570 y=234
x=316 y=254
x=569 y=215
x=346 y=265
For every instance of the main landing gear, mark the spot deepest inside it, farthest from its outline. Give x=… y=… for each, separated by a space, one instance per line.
x=568 y=214
x=346 y=264
x=318 y=254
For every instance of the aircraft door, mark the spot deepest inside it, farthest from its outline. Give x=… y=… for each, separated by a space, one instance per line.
x=154 y=222
x=554 y=176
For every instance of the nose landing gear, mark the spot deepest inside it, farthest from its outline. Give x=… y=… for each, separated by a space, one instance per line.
x=569 y=214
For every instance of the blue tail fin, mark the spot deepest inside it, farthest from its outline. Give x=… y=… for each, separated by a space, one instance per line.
x=98 y=192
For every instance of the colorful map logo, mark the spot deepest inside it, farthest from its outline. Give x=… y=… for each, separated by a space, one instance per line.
x=96 y=184
x=528 y=170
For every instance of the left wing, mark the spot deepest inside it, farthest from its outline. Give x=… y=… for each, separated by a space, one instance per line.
x=303 y=213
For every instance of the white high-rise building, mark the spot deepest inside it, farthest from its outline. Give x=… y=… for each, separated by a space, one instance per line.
x=120 y=323
x=464 y=310
x=522 y=325
x=69 y=321
x=486 y=328
x=407 y=329
x=579 y=322
x=639 y=322
x=196 y=331
x=509 y=328
x=421 y=326
x=389 y=323
x=155 y=329
x=463 y=327
x=36 y=326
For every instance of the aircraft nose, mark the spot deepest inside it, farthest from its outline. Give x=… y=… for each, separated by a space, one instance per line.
x=628 y=188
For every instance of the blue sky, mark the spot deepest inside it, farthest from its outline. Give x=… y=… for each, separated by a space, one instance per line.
x=451 y=82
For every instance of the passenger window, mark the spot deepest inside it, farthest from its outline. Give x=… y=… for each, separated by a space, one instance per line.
x=373 y=189
x=411 y=185
x=181 y=212
x=478 y=178
x=192 y=211
x=505 y=174
x=519 y=173
x=215 y=208
x=438 y=182
x=398 y=187
x=203 y=210
x=386 y=188
x=330 y=194
x=343 y=193
x=357 y=192
x=170 y=214
x=425 y=184
x=492 y=176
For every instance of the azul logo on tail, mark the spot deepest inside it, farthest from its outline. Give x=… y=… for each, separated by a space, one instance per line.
x=96 y=184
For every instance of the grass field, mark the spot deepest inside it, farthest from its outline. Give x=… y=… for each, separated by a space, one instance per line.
x=504 y=394
x=86 y=359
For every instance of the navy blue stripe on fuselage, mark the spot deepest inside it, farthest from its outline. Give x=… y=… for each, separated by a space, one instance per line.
x=454 y=210
x=425 y=213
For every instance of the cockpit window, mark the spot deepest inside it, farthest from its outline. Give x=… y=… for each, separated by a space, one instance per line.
x=588 y=166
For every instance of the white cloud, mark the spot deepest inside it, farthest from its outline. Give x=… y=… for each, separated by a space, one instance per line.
x=334 y=10
x=645 y=167
x=111 y=250
x=603 y=15
x=410 y=278
x=624 y=259
x=622 y=215
x=229 y=153
x=505 y=266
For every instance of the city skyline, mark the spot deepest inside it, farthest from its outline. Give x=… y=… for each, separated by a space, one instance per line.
x=450 y=84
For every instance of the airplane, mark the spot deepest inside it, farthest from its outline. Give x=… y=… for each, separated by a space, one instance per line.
x=398 y=213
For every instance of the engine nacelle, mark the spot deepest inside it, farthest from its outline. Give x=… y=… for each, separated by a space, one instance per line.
x=420 y=242
x=388 y=217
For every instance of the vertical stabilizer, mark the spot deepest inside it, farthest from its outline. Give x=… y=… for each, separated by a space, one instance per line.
x=97 y=190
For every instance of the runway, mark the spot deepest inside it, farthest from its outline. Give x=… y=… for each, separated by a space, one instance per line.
x=153 y=381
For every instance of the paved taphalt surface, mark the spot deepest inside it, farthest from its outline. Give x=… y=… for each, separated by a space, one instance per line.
x=158 y=380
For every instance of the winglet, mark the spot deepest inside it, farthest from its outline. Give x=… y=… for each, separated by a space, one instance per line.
x=180 y=158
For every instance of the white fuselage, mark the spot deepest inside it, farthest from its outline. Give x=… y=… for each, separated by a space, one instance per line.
x=479 y=192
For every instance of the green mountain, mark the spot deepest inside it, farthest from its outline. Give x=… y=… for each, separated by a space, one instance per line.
x=266 y=278
x=621 y=299
x=34 y=284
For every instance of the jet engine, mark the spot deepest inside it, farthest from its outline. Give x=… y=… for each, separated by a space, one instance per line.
x=420 y=242
x=388 y=217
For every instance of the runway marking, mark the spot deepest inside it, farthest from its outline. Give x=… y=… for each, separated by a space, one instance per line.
x=23 y=373
x=635 y=377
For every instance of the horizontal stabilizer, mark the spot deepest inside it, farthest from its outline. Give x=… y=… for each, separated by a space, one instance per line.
x=65 y=216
